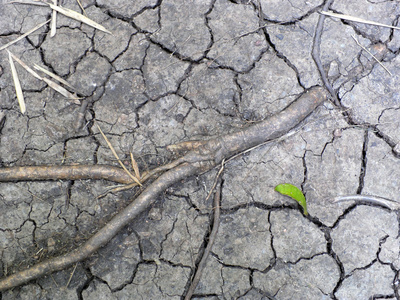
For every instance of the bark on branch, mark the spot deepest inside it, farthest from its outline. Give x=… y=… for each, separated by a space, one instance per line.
x=75 y=172
x=203 y=158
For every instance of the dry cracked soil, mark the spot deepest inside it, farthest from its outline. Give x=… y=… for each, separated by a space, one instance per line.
x=178 y=70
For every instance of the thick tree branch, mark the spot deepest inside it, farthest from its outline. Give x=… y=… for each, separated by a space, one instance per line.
x=203 y=158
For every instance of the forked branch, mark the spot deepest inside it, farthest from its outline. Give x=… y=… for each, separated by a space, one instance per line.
x=202 y=158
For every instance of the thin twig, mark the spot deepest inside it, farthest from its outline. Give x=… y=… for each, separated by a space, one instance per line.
x=33 y=2
x=72 y=274
x=213 y=233
x=316 y=53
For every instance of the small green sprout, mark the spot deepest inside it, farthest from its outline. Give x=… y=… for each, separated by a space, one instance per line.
x=293 y=192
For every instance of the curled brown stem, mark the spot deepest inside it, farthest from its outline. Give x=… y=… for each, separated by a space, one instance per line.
x=201 y=159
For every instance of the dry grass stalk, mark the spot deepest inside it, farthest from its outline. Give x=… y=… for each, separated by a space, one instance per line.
x=50 y=83
x=54 y=76
x=24 y=35
x=117 y=157
x=58 y=88
x=81 y=6
x=79 y=17
x=135 y=167
x=53 y=26
x=26 y=67
x=17 y=84
x=356 y=19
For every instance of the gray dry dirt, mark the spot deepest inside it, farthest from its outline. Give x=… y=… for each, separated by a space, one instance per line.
x=178 y=70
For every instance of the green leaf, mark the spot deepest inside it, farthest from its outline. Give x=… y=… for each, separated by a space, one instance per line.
x=293 y=192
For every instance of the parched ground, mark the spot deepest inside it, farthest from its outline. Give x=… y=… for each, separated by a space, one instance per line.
x=178 y=70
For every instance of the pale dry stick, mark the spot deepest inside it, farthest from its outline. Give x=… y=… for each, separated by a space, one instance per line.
x=356 y=19
x=389 y=203
x=198 y=161
x=366 y=50
x=213 y=234
x=24 y=35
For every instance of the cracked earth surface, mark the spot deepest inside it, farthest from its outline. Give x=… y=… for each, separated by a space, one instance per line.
x=177 y=70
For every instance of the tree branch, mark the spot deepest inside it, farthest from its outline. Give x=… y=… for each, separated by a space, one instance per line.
x=203 y=158
x=75 y=172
